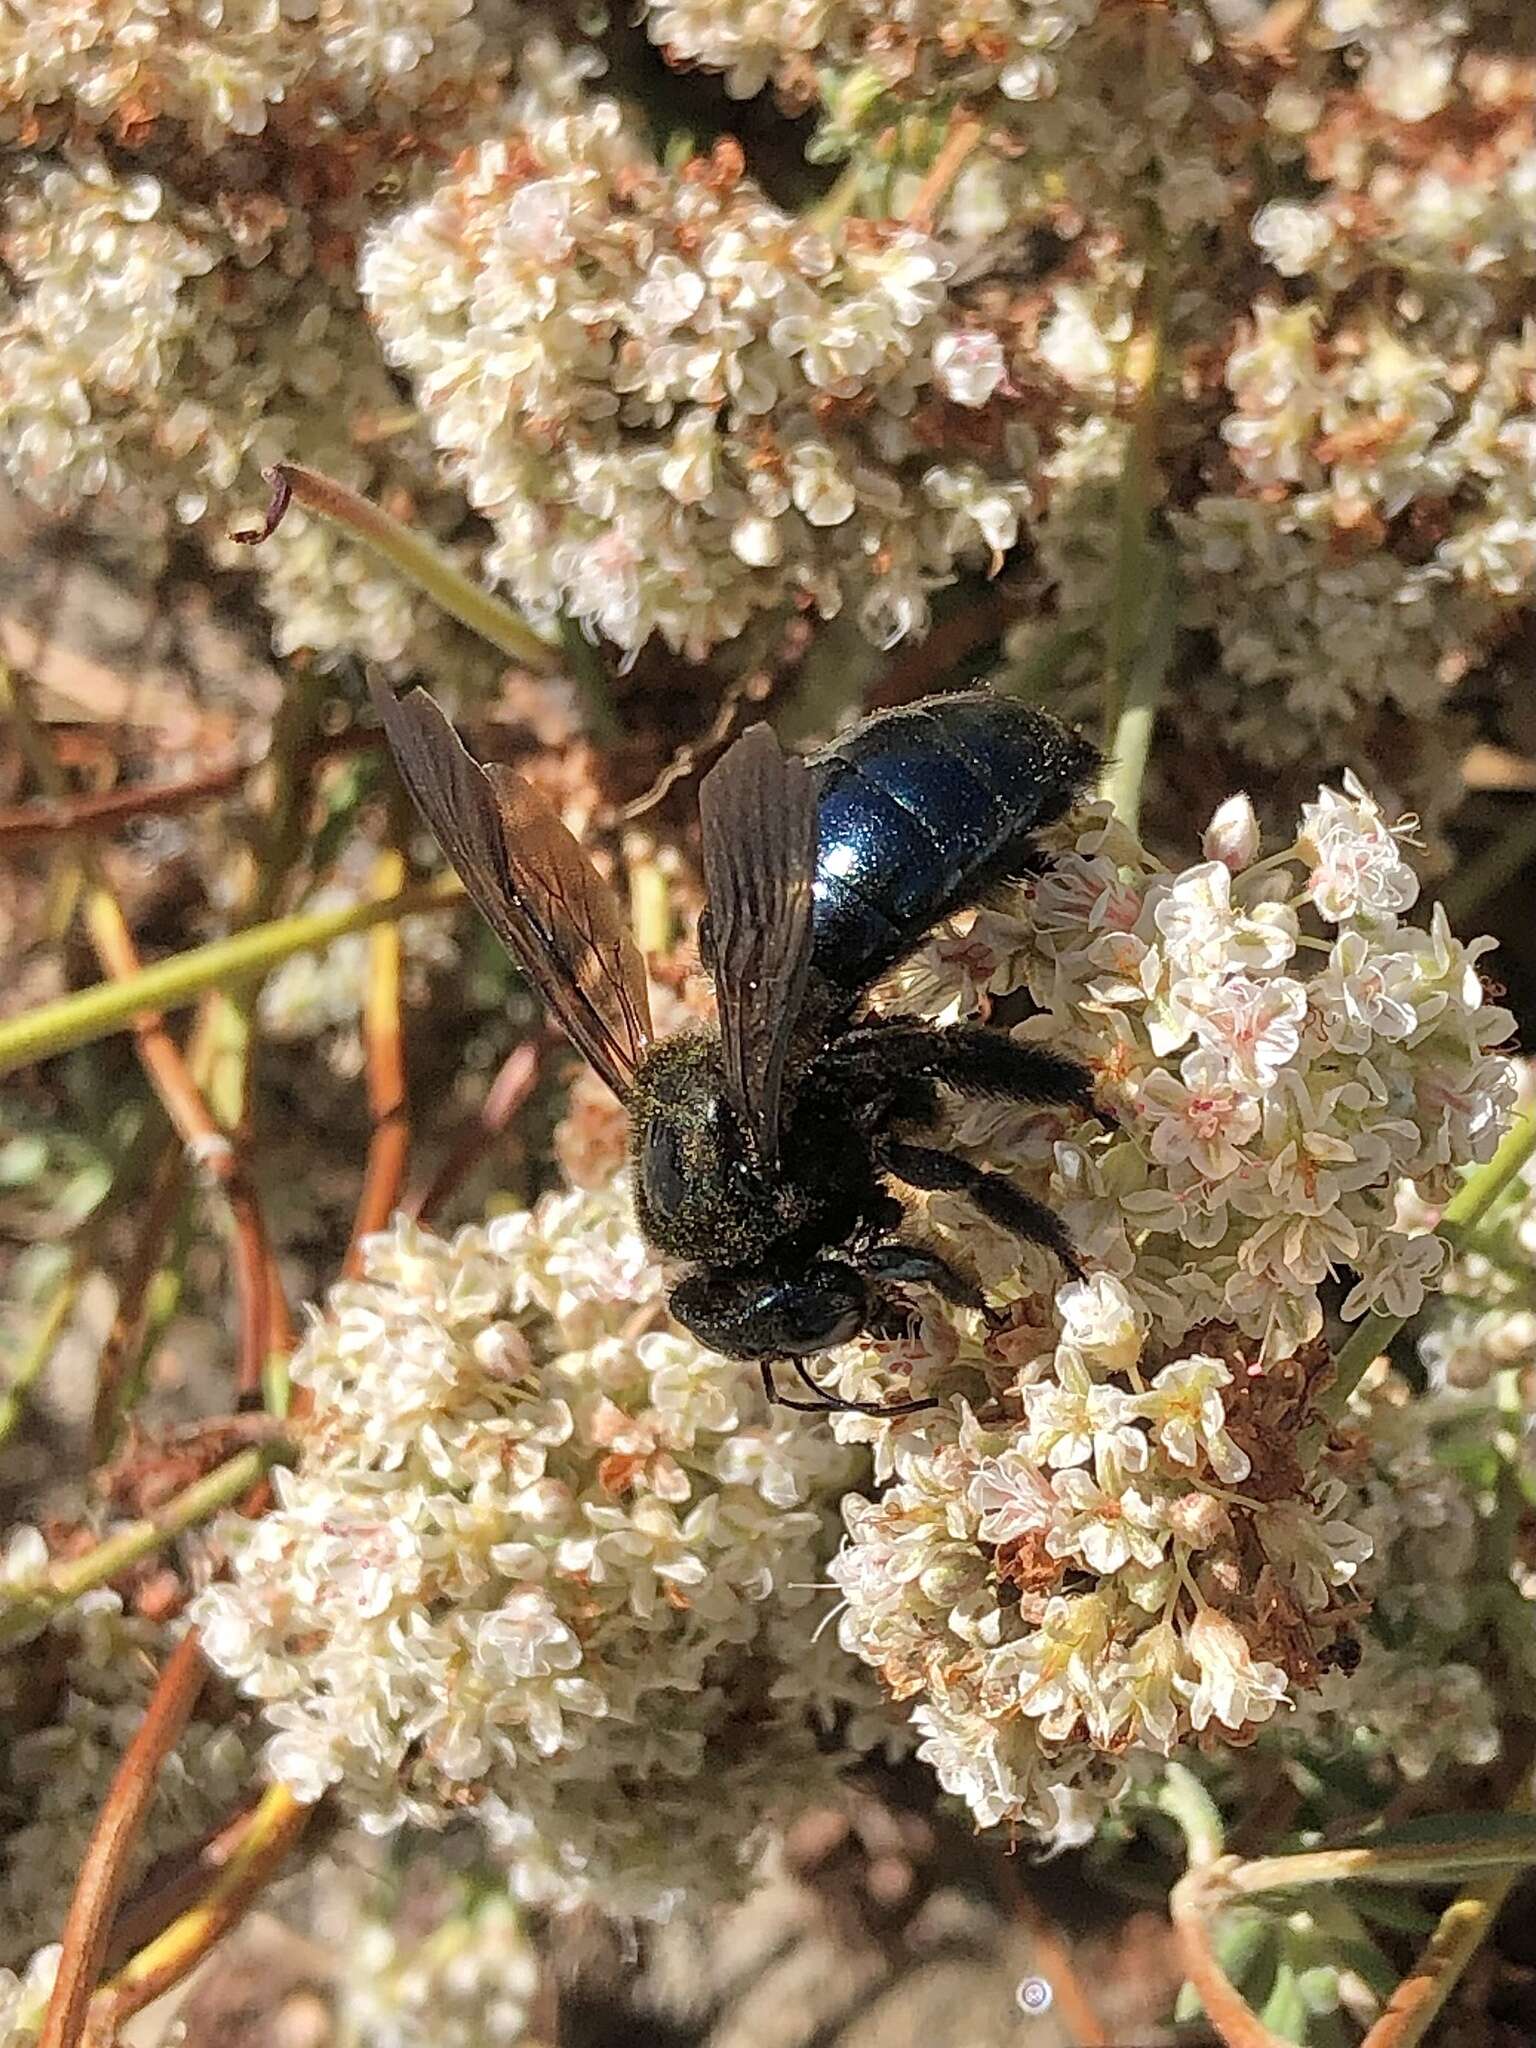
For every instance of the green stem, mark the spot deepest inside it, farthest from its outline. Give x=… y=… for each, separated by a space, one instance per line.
x=31 y=1608
x=1428 y=1862
x=1124 y=630
x=1465 y=1210
x=590 y=675
x=1131 y=741
x=51 y=1324
x=172 y=984
x=420 y=561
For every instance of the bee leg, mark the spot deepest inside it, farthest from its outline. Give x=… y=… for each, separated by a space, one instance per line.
x=944 y=1173
x=970 y=1058
x=776 y=1399
x=922 y=1268
x=838 y=1403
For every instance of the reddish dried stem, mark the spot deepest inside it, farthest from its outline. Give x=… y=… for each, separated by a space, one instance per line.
x=175 y=1883
x=965 y=132
x=102 y=1874
x=514 y=1083
x=264 y=1845
x=1225 y=2007
x=46 y=818
x=384 y=1047
x=126 y=1334
x=1053 y=1958
x=264 y=1322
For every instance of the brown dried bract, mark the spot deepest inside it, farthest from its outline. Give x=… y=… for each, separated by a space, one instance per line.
x=1268 y=1405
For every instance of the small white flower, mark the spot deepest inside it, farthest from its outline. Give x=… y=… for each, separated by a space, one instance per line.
x=1292 y=237
x=969 y=365
x=1396 y=1274
x=1252 y=1027
x=1200 y=1116
x=1233 y=837
x=1105 y=1522
x=1073 y=1418
x=1357 y=870
x=1234 y=1688
x=1187 y=1415
x=1101 y=1321
x=1012 y=1497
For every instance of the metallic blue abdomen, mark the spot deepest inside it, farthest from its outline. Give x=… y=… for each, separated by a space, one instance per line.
x=920 y=810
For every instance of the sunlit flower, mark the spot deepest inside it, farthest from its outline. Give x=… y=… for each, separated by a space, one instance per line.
x=535 y=1556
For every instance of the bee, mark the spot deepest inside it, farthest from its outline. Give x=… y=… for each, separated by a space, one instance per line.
x=766 y=1156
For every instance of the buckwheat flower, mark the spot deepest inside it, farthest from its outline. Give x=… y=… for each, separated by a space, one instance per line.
x=1188 y=1418
x=1074 y=1419
x=1100 y=1317
x=1200 y=1116
x=702 y=409
x=1318 y=1548
x=1252 y=1027
x=1012 y=1497
x=184 y=187
x=1397 y=1275
x=1146 y=1688
x=59 y=1766
x=1105 y=1521
x=540 y=1562
x=1357 y=870
x=1135 y=1441
x=1291 y=238
x=970 y=366
x=1234 y=1689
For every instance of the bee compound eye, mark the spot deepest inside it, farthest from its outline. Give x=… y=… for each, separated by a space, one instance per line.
x=662 y=1169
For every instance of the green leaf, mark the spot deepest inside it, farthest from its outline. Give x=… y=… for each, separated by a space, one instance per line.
x=1435 y=1849
x=1398 y=1913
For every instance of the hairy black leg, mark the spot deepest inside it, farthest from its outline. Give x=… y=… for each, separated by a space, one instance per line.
x=778 y=1400
x=966 y=1057
x=836 y=1402
x=943 y=1173
x=825 y=1403
x=923 y=1268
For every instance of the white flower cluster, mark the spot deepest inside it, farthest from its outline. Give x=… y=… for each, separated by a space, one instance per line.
x=915 y=47
x=1484 y=1322
x=226 y=71
x=1086 y=108
x=546 y=1565
x=1423 y=1694
x=1104 y=1542
x=1385 y=509
x=679 y=406
x=96 y=1669
x=178 y=317
x=449 y=1970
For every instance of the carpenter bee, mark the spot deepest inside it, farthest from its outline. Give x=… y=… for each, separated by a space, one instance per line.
x=766 y=1156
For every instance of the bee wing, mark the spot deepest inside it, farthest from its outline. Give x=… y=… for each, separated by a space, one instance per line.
x=531 y=883
x=757 y=808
